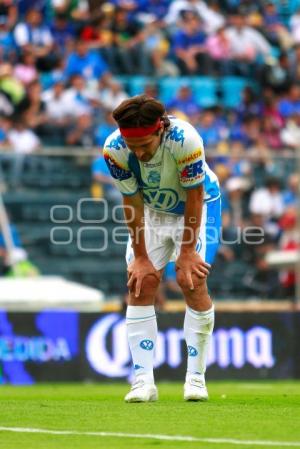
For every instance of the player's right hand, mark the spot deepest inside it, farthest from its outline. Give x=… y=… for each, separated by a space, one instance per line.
x=137 y=270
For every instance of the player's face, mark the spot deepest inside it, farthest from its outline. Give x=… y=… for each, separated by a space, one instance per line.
x=144 y=147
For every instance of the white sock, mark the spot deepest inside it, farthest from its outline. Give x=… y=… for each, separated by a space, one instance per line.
x=142 y=331
x=198 y=327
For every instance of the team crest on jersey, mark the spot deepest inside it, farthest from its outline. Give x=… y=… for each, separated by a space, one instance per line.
x=153 y=177
x=175 y=134
x=116 y=143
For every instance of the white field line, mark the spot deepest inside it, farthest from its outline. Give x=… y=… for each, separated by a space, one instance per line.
x=155 y=437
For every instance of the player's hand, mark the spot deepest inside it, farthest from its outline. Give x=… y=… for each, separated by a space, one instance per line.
x=137 y=271
x=191 y=263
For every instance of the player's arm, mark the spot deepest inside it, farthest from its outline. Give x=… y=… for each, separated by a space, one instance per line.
x=189 y=260
x=141 y=265
x=191 y=166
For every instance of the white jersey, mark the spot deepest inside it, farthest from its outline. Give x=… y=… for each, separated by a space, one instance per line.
x=178 y=164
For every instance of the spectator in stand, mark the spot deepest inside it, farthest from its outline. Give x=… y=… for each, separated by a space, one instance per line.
x=97 y=33
x=63 y=33
x=151 y=89
x=219 y=49
x=184 y=101
x=7 y=44
x=26 y=71
x=11 y=90
x=290 y=194
x=23 y=141
x=32 y=35
x=277 y=74
x=290 y=103
x=260 y=280
x=189 y=45
x=58 y=113
x=106 y=127
x=238 y=164
x=82 y=132
x=289 y=241
x=112 y=95
x=271 y=132
x=250 y=104
x=273 y=27
x=104 y=182
x=270 y=106
x=76 y=10
x=128 y=53
x=40 y=5
x=290 y=134
x=248 y=46
x=210 y=15
x=237 y=212
x=87 y=63
x=295 y=26
x=33 y=109
x=8 y=13
x=268 y=202
x=247 y=131
x=157 y=46
x=209 y=130
x=77 y=98
x=295 y=63
x=149 y=10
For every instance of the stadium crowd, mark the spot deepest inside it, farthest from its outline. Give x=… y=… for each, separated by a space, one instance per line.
x=65 y=65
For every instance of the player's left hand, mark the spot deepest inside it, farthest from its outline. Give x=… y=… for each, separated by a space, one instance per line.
x=191 y=263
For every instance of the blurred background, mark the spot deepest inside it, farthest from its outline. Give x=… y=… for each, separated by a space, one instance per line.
x=229 y=67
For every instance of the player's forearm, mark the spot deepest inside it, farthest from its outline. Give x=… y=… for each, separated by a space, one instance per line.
x=192 y=218
x=134 y=215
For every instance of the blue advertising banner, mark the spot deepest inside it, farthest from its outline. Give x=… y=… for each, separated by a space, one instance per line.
x=40 y=346
x=243 y=346
x=68 y=346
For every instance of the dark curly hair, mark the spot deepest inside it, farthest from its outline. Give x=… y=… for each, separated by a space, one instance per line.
x=140 y=110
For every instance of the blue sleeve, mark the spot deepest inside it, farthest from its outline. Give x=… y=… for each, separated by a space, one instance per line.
x=99 y=167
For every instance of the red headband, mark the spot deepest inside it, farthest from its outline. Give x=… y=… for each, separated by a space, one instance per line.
x=140 y=131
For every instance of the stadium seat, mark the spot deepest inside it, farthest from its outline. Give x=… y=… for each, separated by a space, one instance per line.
x=231 y=90
x=137 y=84
x=205 y=91
x=168 y=87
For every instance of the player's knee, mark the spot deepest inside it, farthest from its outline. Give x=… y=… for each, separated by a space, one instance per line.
x=199 y=283
x=148 y=292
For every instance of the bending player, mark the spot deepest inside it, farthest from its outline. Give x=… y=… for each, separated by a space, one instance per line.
x=172 y=207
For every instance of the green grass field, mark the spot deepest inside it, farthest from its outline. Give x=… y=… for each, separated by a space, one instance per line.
x=265 y=411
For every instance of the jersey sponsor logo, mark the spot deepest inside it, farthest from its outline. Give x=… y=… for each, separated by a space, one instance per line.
x=191 y=157
x=192 y=171
x=161 y=199
x=116 y=171
x=116 y=143
x=153 y=177
x=148 y=165
x=175 y=134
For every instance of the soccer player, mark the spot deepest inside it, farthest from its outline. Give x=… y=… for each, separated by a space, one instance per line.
x=172 y=208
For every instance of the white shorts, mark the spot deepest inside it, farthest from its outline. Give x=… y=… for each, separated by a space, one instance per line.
x=163 y=235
